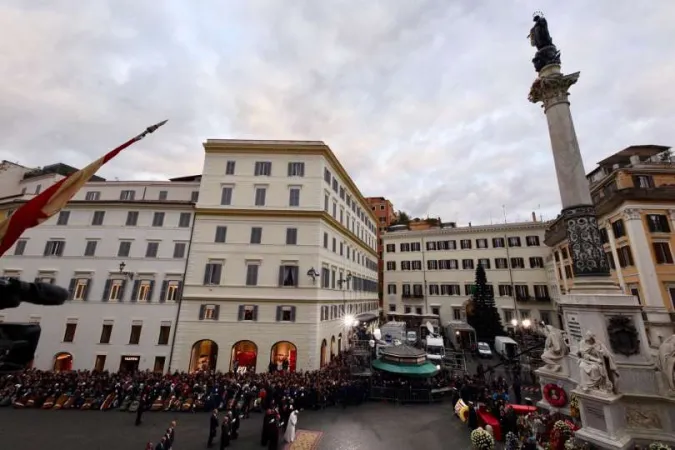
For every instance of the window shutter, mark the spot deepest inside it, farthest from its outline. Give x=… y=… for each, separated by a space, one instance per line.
x=85 y=294
x=281 y=275
x=650 y=224
x=216 y=313
x=207 y=273
x=123 y=289
x=292 y=313
x=134 y=291
x=202 y=312
x=295 y=276
x=106 y=290
x=216 y=273
x=240 y=315
x=151 y=290
x=255 y=313
x=46 y=249
x=162 y=294
x=71 y=288
x=179 y=292
x=278 y=313
x=290 y=165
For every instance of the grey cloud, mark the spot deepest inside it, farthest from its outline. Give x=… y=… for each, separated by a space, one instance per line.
x=424 y=102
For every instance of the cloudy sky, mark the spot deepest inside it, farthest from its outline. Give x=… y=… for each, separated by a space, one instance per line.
x=424 y=101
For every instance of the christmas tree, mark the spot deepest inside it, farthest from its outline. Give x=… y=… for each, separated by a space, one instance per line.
x=483 y=315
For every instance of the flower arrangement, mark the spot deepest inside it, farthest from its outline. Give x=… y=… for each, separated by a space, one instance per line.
x=574 y=407
x=555 y=395
x=659 y=446
x=482 y=440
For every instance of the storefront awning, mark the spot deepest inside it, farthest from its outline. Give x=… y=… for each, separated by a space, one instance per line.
x=426 y=369
x=366 y=317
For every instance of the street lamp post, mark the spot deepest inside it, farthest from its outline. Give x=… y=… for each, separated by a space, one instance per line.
x=129 y=275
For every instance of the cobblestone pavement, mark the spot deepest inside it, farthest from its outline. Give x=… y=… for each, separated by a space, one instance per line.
x=372 y=426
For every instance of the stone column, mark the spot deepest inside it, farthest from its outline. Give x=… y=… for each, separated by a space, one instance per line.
x=615 y=255
x=588 y=256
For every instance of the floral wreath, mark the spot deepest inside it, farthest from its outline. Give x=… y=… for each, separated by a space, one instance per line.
x=482 y=440
x=555 y=395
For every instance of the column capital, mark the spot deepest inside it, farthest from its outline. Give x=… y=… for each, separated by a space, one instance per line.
x=632 y=214
x=552 y=89
x=602 y=223
x=671 y=213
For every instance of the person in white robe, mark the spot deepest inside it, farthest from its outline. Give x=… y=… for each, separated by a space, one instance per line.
x=289 y=436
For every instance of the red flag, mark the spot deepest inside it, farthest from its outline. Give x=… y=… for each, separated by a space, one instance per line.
x=53 y=199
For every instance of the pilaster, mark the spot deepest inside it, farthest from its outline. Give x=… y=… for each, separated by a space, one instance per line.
x=642 y=256
x=615 y=255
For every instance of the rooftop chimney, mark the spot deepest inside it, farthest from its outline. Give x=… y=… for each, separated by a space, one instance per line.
x=534 y=217
x=635 y=160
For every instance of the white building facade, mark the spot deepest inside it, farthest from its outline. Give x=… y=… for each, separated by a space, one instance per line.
x=283 y=255
x=431 y=272
x=117 y=317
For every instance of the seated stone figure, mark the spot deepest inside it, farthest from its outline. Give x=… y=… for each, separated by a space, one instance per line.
x=555 y=348
x=598 y=368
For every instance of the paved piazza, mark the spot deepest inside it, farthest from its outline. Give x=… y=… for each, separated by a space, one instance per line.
x=372 y=426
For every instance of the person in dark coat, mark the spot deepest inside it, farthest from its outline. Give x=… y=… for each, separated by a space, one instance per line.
x=234 y=425
x=161 y=445
x=473 y=418
x=139 y=411
x=225 y=433
x=275 y=427
x=516 y=391
x=213 y=428
x=265 y=434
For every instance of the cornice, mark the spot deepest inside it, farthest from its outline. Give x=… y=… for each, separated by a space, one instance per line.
x=501 y=228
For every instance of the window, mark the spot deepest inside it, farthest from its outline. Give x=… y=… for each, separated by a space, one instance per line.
x=98 y=218
x=256 y=235
x=545 y=317
x=158 y=219
x=288 y=275
x=625 y=256
x=212 y=273
x=106 y=333
x=643 y=181
x=132 y=218
x=99 y=363
x=142 y=290
x=226 y=196
x=20 y=247
x=436 y=310
x=662 y=253
x=294 y=197
x=151 y=250
x=618 y=229
x=392 y=307
x=69 y=335
x=465 y=243
x=135 y=335
x=159 y=364
x=252 y=274
x=179 y=250
x=432 y=264
x=541 y=292
x=568 y=272
x=505 y=290
x=63 y=218
x=325 y=240
x=391 y=289
x=604 y=236
x=456 y=313
x=658 y=223
x=334 y=245
x=522 y=292
x=170 y=290
x=407 y=309
x=481 y=243
x=291 y=236
x=92 y=196
x=229 y=167
x=498 y=242
x=325 y=277
x=391 y=265
x=114 y=290
x=326 y=175
x=335 y=210
x=263 y=169
x=536 y=262
x=260 y=194
x=467 y=264
x=164 y=333
x=248 y=313
x=508 y=316
x=90 y=248
x=342 y=248
x=285 y=313
x=335 y=184
x=209 y=312
x=124 y=249
x=485 y=262
x=517 y=263
x=391 y=248
x=163 y=195
x=418 y=291
x=194 y=196
x=610 y=260
x=326 y=202
x=184 y=220
x=342 y=193
x=221 y=234
x=514 y=241
x=532 y=241
x=127 y=195
x=296 y=169
x=54 y=248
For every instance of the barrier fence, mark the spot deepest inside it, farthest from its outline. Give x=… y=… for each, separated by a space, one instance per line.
x=407 y=395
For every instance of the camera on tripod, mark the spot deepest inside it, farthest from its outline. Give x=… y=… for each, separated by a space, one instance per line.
x=19 y=341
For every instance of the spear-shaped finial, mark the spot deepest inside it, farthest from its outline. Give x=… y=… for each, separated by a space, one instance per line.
x=152 y=128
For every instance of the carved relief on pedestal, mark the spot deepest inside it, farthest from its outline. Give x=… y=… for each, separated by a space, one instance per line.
x=583 y=237
x=632 y=214
x=666 y=362
x=639 y=417
x=623 y=336
x=552 y=89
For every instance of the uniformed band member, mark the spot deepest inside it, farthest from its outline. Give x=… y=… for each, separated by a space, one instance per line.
x=213 y=428
x=225 y=433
